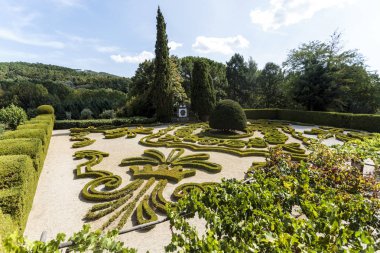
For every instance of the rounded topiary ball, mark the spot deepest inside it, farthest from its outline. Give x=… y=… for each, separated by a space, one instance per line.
x=45 y=109
x=228 y=115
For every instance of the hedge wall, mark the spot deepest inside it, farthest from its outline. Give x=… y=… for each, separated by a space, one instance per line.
x=22 y=154
x=367 y=122
x=66 y=124
x=17 y=191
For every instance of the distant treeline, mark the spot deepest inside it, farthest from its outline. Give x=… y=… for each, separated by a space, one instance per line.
x=317 y=76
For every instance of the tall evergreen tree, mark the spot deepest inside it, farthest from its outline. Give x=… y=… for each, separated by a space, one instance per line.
x=236 y=72
x=162 y=95
x=202 y=91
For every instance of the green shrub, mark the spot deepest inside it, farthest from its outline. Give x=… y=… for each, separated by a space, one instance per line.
x=12 y=116
x=107 y=114
x=228 y=115
x=2 y=127
x=86 y=114
x=31 y=147
x=45 y=109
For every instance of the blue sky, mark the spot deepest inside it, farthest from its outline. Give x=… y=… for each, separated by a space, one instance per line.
x=115 y=35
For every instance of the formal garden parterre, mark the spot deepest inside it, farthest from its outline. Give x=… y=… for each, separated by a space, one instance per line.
x=153 y=182
x=152 y=170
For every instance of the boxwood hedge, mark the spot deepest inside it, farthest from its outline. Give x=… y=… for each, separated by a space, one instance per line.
x=367 y=122
x=17 y=185
x=22 y=153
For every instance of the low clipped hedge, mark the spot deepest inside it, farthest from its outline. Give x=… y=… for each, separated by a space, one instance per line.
x=17 y=186
x=22 y=154
x=367 y=122
x=66 y=124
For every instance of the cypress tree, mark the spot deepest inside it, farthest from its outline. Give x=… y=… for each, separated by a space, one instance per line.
x=202 y=91
x=162 y=95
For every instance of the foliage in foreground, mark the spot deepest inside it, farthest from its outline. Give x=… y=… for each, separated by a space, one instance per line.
x=83 y=241
x=313 y=206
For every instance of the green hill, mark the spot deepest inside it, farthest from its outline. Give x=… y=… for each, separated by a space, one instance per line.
x=68 y=90
x=40 y=73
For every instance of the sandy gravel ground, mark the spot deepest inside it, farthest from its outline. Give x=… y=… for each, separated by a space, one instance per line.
x=57 y=206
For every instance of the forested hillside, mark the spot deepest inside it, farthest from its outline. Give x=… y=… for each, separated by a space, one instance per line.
x=38 y=72
x=68 y=90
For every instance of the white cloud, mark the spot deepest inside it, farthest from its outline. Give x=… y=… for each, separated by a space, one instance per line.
x=144 y=55
x=31 y=39
x=69 y=3
x=174 y=45
x=18 y=24
x=289 y=12
x=105 y=49
x=227 y=45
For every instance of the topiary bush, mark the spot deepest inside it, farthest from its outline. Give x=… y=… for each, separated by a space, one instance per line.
x=45 y=109
x=86 y=114
x=12 y=116
x=228 y=115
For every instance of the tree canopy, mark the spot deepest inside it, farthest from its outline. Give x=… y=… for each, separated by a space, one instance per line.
x=323 y=76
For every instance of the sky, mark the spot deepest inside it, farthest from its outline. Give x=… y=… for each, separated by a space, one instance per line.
x=114 y=36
